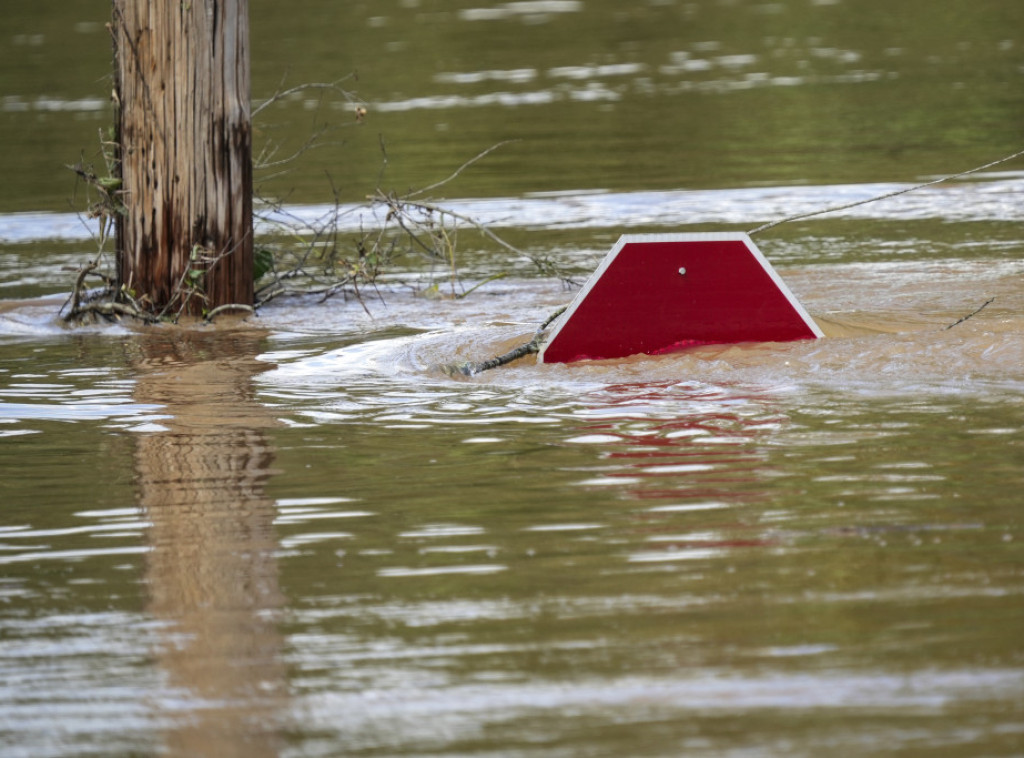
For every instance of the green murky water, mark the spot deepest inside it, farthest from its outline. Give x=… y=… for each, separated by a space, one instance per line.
x=301 y=538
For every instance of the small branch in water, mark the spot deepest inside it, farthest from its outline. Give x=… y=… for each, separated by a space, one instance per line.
x=76 y=293
x=488 y=280
x=969 y=315
x=472 y=368
x=228 y=307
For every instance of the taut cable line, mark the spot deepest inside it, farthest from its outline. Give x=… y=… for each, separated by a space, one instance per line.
x=886 y=196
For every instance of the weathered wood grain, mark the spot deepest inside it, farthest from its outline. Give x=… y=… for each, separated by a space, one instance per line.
x=184 y=127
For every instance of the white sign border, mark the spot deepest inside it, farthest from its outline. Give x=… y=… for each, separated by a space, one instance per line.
x=629 y=239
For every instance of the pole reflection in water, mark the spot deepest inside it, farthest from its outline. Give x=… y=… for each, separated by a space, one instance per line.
x=211 y=572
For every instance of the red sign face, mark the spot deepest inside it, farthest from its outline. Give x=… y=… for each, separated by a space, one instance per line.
x=658 y=293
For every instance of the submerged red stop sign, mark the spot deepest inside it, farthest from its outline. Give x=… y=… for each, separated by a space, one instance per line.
x=657 y=293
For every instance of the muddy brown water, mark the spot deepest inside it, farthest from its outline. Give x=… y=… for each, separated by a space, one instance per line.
x=297 y=536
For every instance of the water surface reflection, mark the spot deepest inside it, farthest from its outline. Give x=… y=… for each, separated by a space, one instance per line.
x=211 y=572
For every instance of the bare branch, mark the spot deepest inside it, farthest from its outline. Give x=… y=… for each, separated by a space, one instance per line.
x=280 y=95
x=460 y=169
x=471 y=368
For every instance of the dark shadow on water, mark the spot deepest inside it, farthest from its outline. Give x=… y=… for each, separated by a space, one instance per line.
x=211 y=573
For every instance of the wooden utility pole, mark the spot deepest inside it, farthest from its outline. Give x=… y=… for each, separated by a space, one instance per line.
x=182 y=91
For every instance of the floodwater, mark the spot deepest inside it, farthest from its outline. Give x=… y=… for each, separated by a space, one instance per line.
x=298 y=536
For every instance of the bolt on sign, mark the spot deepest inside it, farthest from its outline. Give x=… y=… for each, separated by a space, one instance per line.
x=660 y=293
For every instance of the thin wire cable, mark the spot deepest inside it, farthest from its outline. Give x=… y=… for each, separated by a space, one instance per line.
x=886 y=196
